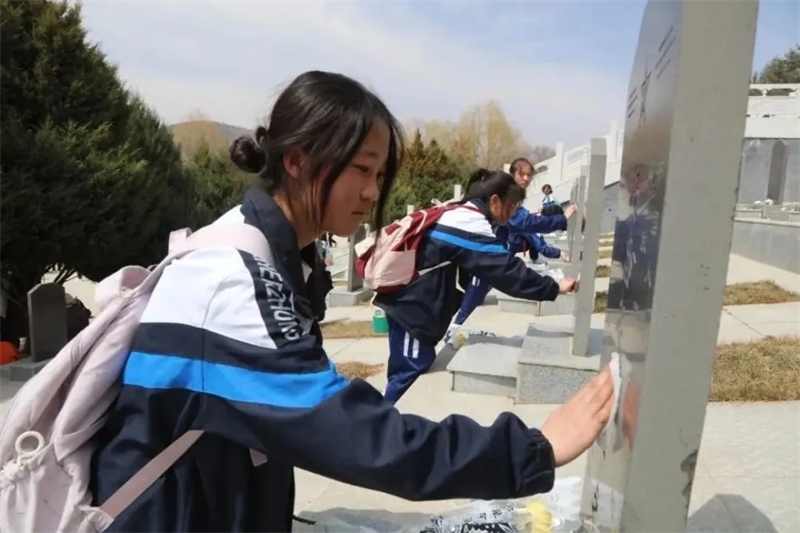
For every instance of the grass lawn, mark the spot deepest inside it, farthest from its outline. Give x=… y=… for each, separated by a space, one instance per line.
x=752 y=292
x=349 y=329
x=354 y=369
x=760 y=371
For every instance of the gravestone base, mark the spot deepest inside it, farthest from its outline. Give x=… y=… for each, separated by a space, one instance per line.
x=22 y=370
x=563 y=305
x=547 y=371
x=341 y=297
x=486 y=365
x=509 y=304
x=553 y=380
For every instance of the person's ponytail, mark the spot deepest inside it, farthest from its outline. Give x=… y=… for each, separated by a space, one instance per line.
x=484 y=183
x=477 y=177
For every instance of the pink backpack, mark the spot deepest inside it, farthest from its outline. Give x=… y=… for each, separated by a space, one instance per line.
x=46 y=439
x=389 y=263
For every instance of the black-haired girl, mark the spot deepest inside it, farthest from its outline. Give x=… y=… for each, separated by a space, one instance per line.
x=464 y=240
x=230 y=344
x=520 y=233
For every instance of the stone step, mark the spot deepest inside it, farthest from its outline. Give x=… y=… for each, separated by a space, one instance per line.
x=485 y=368
x=537 y=368
x=341 y=297
x=547 y=373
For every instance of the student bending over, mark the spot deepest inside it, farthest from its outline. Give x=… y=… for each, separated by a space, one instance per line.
x=519 y=232
x=465 y=243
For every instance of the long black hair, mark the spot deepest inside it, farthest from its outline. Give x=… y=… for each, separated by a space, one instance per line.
x=483 y=184
x=328 y=116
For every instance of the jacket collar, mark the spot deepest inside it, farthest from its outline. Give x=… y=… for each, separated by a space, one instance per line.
x=260 y=210
x=481 y=206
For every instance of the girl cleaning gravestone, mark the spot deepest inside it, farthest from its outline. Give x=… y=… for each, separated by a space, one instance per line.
x=228 y=350
x=460 y=243
x=520 y=233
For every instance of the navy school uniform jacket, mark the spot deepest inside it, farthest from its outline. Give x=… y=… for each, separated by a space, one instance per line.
x=230 y=344
x=522 y=232
x=464 y=242
x=525 y=222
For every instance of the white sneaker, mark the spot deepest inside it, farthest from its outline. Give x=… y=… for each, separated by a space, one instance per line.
x=454 y=338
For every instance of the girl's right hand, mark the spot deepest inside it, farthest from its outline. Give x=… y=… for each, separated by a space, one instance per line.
x=567 y=285
x=570 y=210
x=574 y=426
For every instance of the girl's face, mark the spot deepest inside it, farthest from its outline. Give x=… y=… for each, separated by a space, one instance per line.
x=357 y=188
x=501 y=210
x=523 y=175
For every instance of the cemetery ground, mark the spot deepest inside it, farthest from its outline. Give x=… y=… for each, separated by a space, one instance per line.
x=747 y=477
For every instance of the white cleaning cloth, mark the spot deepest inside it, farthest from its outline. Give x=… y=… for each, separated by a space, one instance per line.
x=606 y=438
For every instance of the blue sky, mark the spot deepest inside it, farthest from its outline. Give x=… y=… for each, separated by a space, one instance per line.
x=560 y=69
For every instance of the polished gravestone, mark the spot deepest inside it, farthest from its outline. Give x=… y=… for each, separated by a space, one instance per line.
x=685 y=122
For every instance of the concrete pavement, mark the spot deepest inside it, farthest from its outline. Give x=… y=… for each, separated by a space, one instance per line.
x=747 y=478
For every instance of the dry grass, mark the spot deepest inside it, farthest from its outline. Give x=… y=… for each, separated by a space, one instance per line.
x=348 y=329
x=747 y=293
x=604 y=254
x=602 y=271
x=600 y=302
x=354 y=369
x=760 y=371
x=758 y=292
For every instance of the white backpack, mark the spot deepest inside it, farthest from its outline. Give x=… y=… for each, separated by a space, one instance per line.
x=46 y=440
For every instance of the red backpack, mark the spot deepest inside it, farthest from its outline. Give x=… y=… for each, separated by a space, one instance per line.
x=389 y=263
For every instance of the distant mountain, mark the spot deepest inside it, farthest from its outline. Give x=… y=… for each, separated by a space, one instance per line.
x=217 y=134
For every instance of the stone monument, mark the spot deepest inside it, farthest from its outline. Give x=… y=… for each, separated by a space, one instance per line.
x=584 y=299
x=354 y=291
x=47 y=331
x=683 y=140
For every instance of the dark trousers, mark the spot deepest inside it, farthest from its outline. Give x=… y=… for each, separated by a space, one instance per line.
x=473 y=297
x=409 y=358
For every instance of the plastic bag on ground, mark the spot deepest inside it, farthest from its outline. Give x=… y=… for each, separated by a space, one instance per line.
x=556 y=511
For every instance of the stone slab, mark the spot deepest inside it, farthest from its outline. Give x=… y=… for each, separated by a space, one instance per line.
x=563 y=305
x=485 y=368
x=486 y=358
x=341 y=297
x=553 y=381
x=547 y=371
x=22 y=370
x=509 y=304
x=484 y=384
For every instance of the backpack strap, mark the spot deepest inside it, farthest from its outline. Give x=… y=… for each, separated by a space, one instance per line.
x=242 y=237
x=144 y=478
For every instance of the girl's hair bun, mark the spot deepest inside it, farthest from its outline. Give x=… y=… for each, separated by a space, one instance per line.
x=248 y=154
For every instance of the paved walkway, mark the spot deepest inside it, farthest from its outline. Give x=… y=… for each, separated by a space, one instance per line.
x=748 y=474
x=747 y=479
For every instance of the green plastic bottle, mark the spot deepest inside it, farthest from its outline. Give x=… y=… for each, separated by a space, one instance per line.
x=379 y=324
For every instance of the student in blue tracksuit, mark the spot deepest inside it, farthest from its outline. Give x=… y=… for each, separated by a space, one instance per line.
x=519 y=232
x=461 y=243
x=229 y=343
